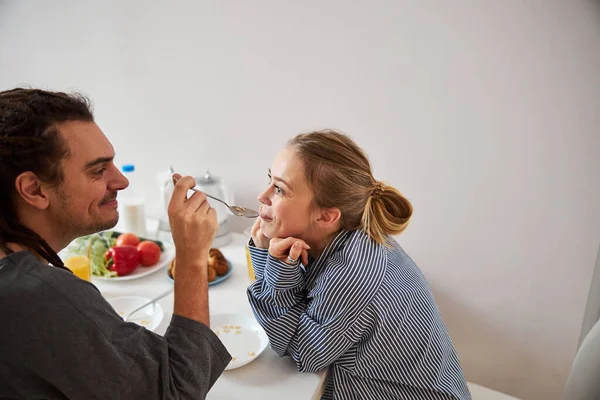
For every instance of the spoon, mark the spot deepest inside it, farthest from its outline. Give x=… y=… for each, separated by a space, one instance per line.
x=236 y=210
x=153 y=301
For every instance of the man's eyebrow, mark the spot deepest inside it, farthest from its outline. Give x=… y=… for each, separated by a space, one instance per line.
x=279 y=179
x=99 y=160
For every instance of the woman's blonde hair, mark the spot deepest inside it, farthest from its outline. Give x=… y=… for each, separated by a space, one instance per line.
x=340 y=175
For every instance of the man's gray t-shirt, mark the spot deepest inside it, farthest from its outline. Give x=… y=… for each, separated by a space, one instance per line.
x=59 y=339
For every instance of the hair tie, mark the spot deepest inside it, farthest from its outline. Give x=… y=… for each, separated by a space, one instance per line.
x=377 y=189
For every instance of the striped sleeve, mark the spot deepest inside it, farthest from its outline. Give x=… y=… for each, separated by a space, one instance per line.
x=259 y=259
x=317 y=327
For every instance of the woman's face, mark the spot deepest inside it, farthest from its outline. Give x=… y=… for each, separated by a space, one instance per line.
x=287 y=208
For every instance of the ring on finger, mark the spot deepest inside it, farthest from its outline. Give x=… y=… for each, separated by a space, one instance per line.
x=292 y=261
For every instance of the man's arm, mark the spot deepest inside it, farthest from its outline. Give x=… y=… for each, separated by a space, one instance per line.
x=193 y=226
x=65 y=340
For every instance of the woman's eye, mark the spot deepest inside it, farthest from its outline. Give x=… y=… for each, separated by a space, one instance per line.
x=277 y=188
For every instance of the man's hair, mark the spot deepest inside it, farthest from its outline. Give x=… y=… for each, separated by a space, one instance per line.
x=30 y=141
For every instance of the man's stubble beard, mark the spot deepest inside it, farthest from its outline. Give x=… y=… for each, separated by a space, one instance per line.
x=73 y=227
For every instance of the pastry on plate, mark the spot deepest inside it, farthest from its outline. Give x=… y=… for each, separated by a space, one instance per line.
x=213 y=267
x=217 y=260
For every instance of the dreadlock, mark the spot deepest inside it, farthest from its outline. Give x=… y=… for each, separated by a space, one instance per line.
x=30 y=141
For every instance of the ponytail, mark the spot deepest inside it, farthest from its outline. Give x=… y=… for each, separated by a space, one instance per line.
x=387 y=212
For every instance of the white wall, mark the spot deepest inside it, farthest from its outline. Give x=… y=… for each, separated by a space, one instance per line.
x=485 y=114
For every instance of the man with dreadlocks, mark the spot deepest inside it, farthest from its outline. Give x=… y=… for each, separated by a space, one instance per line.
x=59 y=338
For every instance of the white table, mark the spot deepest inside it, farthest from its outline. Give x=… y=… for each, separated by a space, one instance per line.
x=267 y=377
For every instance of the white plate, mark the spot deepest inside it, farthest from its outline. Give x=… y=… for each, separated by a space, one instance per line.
x=241 y=335
x=165 y=258
x=149 y=317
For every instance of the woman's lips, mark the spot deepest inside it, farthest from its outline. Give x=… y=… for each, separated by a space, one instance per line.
x=262 y=214
x=265 y=218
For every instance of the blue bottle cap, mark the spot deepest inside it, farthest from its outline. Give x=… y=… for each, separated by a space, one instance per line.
x=128 y=168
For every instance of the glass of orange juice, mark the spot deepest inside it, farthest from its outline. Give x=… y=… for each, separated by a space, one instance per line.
x=248 y=259
x=80 y=266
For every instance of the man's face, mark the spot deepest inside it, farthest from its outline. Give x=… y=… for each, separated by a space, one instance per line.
x=86 y=201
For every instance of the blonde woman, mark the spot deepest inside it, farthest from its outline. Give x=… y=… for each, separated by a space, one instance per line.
x=334 y=290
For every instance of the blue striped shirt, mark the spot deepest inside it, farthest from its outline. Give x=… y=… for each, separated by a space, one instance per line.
x=366 y=312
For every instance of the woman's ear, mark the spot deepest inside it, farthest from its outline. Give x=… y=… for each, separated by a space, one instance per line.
x=29 y=189
x=328 y=217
